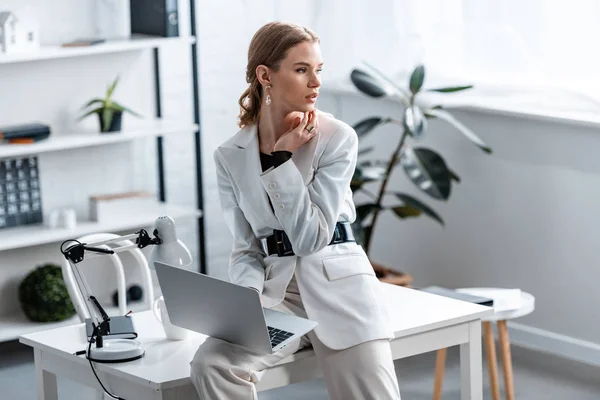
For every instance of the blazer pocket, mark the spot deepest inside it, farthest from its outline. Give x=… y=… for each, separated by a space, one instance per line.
x=339 y=267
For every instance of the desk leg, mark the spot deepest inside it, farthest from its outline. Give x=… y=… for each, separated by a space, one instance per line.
x=46 y=381
x=471 y=364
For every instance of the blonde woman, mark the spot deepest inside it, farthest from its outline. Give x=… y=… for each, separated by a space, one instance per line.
x=287 y=172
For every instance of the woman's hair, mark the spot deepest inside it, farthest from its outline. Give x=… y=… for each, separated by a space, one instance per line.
x=269 y=46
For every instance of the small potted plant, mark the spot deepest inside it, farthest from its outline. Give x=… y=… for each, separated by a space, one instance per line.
x=110 y=113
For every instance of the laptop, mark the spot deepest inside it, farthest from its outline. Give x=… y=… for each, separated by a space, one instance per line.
x=226 y=311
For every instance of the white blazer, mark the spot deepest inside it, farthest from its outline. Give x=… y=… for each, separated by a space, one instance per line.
x=309 y=193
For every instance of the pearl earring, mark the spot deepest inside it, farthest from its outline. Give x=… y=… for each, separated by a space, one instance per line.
x=268 y=99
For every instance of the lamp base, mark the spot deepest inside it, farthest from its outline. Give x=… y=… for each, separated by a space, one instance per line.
x=117 y=350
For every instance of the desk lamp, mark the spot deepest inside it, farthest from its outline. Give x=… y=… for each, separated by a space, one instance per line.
x=168 y=249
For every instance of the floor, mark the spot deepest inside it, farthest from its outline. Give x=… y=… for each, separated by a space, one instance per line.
x=537 y=376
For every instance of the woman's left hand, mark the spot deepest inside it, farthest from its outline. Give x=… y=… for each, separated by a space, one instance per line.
x=302 y=131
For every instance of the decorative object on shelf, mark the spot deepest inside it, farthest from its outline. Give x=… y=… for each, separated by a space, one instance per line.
x=65 y=218
x=424 y=167
x=20 y=198
x=43 y=295
x=109 y=112
x=84 y=42
x=154 y=17
x=19 y=31
x=106 y=206
x=24 y=133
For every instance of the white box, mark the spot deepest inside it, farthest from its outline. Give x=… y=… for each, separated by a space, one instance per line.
x=108 y=206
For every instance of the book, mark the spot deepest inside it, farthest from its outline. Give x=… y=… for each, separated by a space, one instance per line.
x=120 y=327
x=484 y=301
x=84 y=42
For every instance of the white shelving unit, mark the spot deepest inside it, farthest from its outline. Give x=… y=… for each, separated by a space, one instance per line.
x=75 y=140
x=16 y=324
x=113 y=46
x=33 y=235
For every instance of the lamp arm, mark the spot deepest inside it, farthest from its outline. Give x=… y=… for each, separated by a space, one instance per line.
x=75 y=254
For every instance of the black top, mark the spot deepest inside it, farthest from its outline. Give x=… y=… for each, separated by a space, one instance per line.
x=275 y=159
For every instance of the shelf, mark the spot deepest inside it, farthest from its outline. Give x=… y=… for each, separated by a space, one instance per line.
x=65 y=141
x=114 y=46
x=16 y=324
x=33 y=235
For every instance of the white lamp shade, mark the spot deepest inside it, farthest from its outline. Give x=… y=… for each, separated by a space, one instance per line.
x=172 y=251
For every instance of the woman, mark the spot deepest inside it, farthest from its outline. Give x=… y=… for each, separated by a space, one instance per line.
x=286 y=174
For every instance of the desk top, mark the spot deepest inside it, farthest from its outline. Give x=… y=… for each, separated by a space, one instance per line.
x=166 y=363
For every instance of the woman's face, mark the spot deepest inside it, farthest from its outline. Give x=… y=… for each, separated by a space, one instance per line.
x=295 y=86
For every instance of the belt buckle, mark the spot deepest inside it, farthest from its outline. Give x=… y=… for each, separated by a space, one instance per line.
x=281 y=242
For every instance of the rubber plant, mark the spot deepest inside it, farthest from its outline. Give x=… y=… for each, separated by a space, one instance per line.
x=109 y=111
x=425 y=167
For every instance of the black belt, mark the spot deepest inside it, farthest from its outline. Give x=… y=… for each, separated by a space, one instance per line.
x=278 y=243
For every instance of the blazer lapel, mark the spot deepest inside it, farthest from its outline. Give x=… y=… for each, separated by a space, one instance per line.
x=243 y=160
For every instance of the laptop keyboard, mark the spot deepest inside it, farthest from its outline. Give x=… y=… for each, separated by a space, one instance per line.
x=277 y=335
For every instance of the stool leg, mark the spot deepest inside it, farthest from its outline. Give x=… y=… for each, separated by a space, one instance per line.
x=440 y=367
x=490 y=349
x=506 y=360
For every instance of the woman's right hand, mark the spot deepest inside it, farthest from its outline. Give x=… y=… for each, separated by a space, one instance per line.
x=298 y=135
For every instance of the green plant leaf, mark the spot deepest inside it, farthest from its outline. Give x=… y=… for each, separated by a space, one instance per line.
x=364 y=151
x=414 y=121
x=417 y=204
x=406 y=211
x=427 y=170
x=416 y=79
x=362 y=233
x=453 y=176
x=446 y=116
x=94 y=111
x=368 y=84
x=93 y=101
x=363 y=211
x=111 y=88
x=450 y=89
x=107 y=117
x=122 y=108
x=367 y=125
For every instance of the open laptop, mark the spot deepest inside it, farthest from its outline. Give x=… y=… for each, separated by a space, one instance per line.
x=226 y=311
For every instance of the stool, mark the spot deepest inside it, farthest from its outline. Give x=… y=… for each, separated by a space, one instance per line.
x=527 y=307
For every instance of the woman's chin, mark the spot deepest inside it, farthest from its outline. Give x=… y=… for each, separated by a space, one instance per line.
x=307 y=107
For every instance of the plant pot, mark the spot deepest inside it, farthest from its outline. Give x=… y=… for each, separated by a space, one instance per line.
x=388 y=275
x=115 y=125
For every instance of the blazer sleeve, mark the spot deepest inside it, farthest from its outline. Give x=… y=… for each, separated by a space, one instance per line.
x=308 y=213
x=246 y=266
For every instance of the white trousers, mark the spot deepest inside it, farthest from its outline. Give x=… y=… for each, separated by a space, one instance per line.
x=224 y=371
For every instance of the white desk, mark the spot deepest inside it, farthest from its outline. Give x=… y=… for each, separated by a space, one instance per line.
x=422 y=322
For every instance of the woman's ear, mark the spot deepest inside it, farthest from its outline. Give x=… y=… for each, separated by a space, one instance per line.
x=263 y=75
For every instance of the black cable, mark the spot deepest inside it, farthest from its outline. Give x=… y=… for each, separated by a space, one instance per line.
x=92 y=365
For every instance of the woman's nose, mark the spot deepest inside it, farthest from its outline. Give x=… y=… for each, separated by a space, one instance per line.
x=315 y=81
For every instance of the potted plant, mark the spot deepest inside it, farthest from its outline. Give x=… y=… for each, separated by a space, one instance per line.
x=110 y=113
x=425 y=167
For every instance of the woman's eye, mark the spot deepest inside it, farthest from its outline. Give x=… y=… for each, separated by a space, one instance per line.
x=320 y=70
x=301 y=70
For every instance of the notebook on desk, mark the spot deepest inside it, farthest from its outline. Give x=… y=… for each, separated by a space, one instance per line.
x=484 y=301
